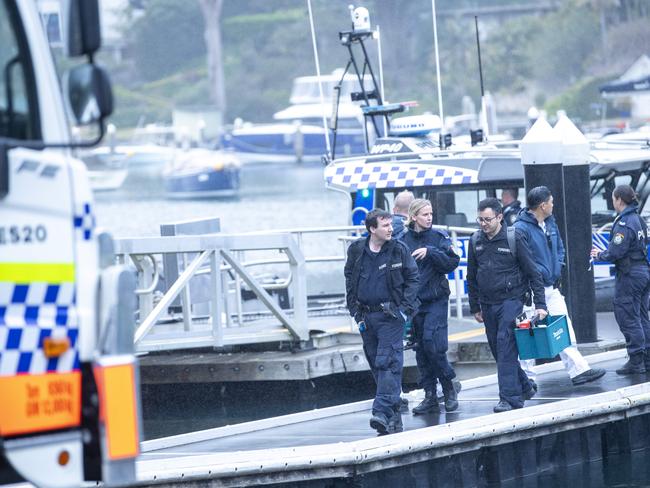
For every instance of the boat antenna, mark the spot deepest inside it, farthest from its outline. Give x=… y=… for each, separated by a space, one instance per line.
x=435 y=45
x=484 y=121
x=381 y=75
x=320 y=80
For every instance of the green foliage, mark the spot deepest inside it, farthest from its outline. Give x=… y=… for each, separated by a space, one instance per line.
x=168 y=37
x=579 y=100
x=268 y=43
x=559 y=50
x=154 y=102
x=507 y=60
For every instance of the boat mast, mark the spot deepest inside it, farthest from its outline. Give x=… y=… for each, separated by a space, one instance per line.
x=320 y=81
x=435 y=45
x=381 y=75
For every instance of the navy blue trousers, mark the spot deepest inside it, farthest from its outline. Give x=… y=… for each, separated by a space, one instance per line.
x=631 y=308
x=499 y=322
x=382 y=344
x=431 y=332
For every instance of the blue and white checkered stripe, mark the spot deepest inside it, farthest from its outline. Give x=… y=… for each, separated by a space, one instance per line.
x=29 y=314
x=388 y=175
x=84 y=221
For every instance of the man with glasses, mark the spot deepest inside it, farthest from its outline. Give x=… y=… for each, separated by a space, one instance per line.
x=537 y=223
x=497 y=280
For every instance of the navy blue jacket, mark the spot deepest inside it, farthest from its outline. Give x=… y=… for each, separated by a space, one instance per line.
x=495 y=275
x=627 y=242
x=511 y=211
x=400 y=271
x=439 y=260
x=398 y=226
x=547 y=248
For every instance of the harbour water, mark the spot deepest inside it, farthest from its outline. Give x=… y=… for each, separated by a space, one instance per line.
x=271 y=197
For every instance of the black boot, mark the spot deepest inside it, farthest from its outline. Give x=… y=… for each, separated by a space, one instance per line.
x=457 y=388
x=634 y=365
x=428 y=405
x=403 y=404
x=379 y=422
x=451 y=397
x=395 y=423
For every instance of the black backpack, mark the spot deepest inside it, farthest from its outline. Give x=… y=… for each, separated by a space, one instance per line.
x=512 y=244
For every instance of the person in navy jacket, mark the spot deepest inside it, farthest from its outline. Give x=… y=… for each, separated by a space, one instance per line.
x=401 y=213
x=629 y=252
x=435 y=258
x=537 y=223
x=381 y=283
x=497 y=281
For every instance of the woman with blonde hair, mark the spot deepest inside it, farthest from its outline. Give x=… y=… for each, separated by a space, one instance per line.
x=435 y=257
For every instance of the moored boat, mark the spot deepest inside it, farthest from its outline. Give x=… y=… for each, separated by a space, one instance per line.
x=202 y=173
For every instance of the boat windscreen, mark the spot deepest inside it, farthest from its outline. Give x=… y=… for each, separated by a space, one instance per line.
x=500 y=169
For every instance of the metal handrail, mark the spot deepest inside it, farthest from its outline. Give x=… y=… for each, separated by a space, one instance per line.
x=155 y=280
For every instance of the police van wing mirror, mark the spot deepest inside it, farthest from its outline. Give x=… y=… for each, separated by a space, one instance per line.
x=83 y=33
x=89 y=93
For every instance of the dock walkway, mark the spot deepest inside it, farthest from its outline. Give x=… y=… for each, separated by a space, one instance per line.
x=336 y=349
x=563 y=425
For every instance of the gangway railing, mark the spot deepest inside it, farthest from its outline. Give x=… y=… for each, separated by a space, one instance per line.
x=223 y=259
x=218 y=251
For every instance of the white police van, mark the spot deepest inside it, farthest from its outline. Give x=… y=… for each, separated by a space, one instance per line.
x=68 y=382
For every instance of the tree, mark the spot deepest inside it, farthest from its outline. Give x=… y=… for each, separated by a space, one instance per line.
x=211 y=10
x=165 y=38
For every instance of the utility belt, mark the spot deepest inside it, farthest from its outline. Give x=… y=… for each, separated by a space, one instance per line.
x=386 y=307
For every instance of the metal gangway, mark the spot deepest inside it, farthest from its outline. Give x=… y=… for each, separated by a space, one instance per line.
x=227 y=262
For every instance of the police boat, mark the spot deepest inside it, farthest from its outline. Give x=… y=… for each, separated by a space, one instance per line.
x=417 y=155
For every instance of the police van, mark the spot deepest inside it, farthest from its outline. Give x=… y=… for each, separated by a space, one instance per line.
x=68 y=379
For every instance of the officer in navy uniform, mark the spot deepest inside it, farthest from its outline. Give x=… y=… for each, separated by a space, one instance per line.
x=401 y=213
x=435 y=258
x=628 y=251
x=381 y=282
x=511 y=206
x=497 y=282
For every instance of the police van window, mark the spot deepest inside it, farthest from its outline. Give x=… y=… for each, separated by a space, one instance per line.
x=18 y=114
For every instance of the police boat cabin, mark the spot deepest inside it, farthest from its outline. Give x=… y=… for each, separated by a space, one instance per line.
x=455 y=177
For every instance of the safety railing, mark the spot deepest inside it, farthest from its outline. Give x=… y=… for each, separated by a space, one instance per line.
x=223 y=259
x=218 y=252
